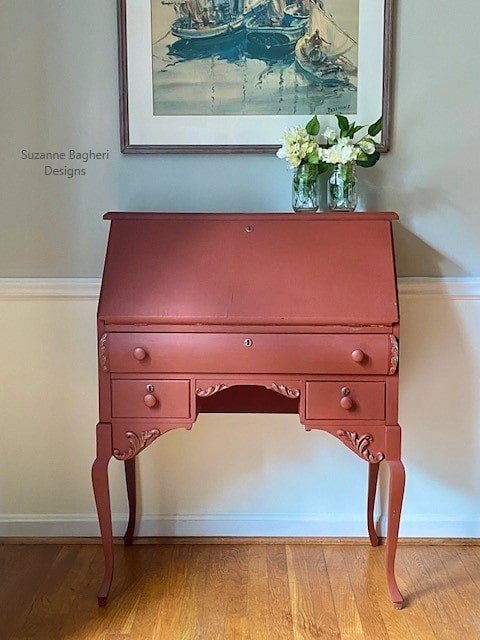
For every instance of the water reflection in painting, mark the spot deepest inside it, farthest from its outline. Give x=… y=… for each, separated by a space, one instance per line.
x=254 y=57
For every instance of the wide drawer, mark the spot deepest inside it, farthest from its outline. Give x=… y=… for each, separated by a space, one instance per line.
x=247 y=353
x=150 y=398
x=345 y=401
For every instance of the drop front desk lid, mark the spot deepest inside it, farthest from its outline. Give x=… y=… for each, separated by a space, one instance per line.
x=250 y=269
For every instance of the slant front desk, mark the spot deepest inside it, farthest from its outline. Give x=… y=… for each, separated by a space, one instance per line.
x=253 y=313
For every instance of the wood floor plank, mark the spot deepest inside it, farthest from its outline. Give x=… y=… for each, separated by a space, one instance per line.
x=269 y=612
x=348 y=618
x=442 y=616
x=367 y=605
x=46 y=613
x=464 y=592
x=414 y=610
x=22 y=570
x=239 y=592
x=396 y=622
x=313 y=609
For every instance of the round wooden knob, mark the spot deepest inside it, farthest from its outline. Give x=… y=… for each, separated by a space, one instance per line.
x=346 y=403
x=358 y=355
x=150 y=400
x=139 y=354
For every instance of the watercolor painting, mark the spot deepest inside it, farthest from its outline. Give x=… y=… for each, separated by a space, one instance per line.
x=254 y=57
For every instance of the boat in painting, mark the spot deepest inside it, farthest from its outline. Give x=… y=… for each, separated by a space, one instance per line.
x=297 y=9
x=203 y=19
x=271 y=31
x=322 y=54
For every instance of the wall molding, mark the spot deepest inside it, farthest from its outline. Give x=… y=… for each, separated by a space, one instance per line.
x=49 y=288
x=464 y=288
x=243 y=525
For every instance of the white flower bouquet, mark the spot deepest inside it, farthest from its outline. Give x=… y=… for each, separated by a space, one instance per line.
x=307 y=145
x=328 y=151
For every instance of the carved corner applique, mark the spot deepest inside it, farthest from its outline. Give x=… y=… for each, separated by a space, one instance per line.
x=394 y=354
x=360 y=444
x=103 y=353
x=137 y=443
x=210 y=391
x=206 y=392
x=284 y=390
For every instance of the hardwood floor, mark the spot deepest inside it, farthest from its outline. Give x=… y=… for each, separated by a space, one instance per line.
x=239 y=592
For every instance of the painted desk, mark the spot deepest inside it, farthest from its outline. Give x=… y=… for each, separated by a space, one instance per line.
x=255 y=313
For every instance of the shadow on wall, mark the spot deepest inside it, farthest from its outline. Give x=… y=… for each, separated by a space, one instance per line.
x=439 y=389
x=421 y=257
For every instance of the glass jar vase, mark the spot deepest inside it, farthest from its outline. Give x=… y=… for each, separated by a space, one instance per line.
x=305 y=195
x=342 y=187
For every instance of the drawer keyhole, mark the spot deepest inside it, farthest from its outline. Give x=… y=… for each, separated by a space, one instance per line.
x=248 y=342
x=150 y=388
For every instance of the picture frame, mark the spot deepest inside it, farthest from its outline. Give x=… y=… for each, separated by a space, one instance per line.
x=143 y=132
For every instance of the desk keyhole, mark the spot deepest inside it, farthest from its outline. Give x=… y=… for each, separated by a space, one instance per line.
x=248 y=342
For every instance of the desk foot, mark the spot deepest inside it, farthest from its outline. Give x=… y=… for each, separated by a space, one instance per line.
x=132 y=500
x=373 y=468
x=395 y=499
x=102 y=601
x=102 y=500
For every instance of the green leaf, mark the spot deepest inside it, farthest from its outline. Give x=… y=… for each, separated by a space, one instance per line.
x=357 y=129
x=323 y=167
x=313 y=158
x=313 y=127
x=343 y=125
x=350 y=130
x=371 y=160
x=375 y=128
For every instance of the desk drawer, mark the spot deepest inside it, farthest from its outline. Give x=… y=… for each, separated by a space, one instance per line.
x=150 y=398
x=249 y=353
x=345 y=401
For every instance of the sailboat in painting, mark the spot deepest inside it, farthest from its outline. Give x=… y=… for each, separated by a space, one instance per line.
x=201 y=19
x=297 y=9
x=322 y=54
x=273 y=30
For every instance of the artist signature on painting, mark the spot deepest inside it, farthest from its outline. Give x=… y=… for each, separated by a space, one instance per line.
x=343 y=108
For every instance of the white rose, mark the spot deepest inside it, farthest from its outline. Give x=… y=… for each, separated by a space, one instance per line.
x=367 y=145
x=329 y=135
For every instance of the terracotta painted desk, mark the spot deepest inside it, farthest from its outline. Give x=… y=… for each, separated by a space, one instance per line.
x=267 y=313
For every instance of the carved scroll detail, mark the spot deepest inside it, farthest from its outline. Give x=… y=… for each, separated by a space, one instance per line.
x=137 y=443
x=103 y=352
x=360 y=444
x=393 y=355
x=284 y=390
x=210 y=391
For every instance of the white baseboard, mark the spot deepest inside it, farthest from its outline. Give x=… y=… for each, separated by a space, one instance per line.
x=243 y=525
x=89 y=288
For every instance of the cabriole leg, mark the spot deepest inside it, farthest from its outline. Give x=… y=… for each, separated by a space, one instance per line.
x=373 y=468
x=102 y=500
x=132 y=500
x=395 y=498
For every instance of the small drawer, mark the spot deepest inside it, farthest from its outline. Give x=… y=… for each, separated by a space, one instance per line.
x=150 y=398
x=345 y=401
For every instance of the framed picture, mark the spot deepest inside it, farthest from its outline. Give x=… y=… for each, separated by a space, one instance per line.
x=228 y=76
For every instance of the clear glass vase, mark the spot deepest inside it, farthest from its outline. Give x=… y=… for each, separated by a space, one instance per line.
x=342 y=188
x=305 y=195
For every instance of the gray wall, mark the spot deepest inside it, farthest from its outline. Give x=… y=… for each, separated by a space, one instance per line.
x=58 y=90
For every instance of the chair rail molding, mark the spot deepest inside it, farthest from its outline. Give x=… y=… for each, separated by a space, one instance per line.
x=458 y=288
